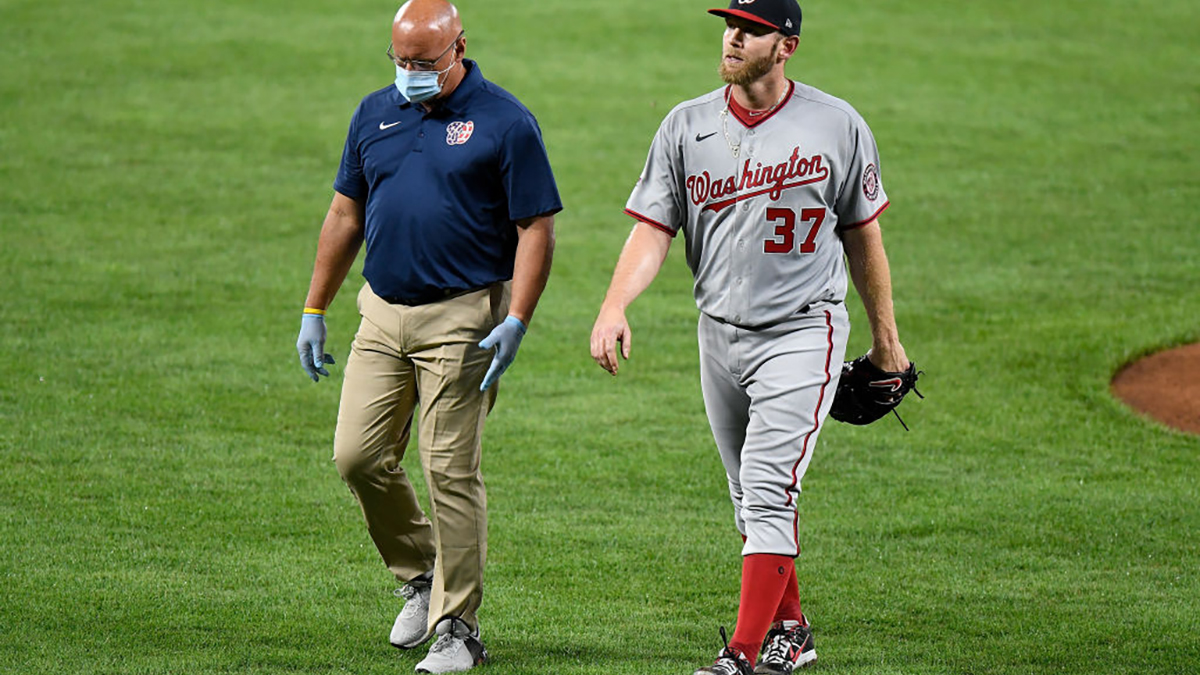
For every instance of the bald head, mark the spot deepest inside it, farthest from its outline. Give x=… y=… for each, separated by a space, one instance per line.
x=436 y=21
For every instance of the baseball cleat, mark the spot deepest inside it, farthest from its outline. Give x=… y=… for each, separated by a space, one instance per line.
x=788 y=646
x=729 y=662
x=412 y=625
x=457 y=649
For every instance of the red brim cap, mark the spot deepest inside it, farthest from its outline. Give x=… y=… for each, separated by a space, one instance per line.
x=745 y=15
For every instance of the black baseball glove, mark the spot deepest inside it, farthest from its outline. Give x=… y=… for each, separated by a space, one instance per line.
x=866 y=393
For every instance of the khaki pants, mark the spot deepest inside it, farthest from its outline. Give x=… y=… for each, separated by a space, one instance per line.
x=427 y=355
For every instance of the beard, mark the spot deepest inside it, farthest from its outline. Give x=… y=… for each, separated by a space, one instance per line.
x=746 y=72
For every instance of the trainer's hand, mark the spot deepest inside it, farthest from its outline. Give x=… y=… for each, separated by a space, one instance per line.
x=311 y=345
x=611 y=329
x=506 y=338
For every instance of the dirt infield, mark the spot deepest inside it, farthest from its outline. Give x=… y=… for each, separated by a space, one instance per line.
x=1165 y=386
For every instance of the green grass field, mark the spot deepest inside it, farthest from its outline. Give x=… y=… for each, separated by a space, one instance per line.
x=167 y=499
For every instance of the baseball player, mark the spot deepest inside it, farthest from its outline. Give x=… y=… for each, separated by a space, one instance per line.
x=773 y=184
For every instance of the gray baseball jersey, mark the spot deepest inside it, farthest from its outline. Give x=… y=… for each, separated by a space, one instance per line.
x=761 y=202
x=761 y=199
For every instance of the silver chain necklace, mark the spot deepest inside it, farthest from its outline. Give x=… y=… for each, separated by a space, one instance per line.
x=736 y=148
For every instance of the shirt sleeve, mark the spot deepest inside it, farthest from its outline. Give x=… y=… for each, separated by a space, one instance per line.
x=350 y=180
x=657 y=199
x=862 y=198
x=525 y=172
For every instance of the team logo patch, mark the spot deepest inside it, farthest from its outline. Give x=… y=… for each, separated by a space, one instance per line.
x=870 y=182
x=459 y=132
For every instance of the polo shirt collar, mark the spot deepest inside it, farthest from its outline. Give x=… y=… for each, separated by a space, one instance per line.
x=457 y=101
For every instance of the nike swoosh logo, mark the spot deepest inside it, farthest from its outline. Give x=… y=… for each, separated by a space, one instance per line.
x=383 y=126
x=700 y=138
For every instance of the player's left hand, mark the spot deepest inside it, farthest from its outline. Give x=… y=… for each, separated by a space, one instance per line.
x=506 y=338
x=865 y=392
x=889 y=357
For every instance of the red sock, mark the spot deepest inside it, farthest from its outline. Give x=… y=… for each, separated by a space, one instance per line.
x=789 y=605
x=763 y=579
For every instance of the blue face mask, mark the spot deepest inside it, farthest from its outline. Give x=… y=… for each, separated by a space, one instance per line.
x=419 y=85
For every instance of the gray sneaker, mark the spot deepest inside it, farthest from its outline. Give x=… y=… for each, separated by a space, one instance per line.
x=457 y=649
x=412 y=625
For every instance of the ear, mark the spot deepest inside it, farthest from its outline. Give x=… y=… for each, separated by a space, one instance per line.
x=788 y=47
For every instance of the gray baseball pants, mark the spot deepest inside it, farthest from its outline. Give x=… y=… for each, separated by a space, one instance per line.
x=767 y=391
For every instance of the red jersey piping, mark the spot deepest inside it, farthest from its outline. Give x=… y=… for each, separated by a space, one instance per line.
x=743 y=114
x=854 y=226
x=650 y=222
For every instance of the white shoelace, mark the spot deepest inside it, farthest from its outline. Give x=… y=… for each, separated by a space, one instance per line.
x=728 y=667
x=777 y=650
x=444 y=643
x=413 y=603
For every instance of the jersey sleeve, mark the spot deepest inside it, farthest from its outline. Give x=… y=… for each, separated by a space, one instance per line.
x=862 y=198
x=351 y=180
x=657 y=199
x=525 y=172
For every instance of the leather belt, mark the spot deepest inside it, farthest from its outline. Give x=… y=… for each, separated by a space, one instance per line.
x=436 y=295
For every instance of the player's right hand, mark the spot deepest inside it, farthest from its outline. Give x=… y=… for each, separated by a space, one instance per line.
x=611 y=329
x=311 y=345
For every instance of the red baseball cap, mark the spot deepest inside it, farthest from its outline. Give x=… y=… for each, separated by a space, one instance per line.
x=780 y=15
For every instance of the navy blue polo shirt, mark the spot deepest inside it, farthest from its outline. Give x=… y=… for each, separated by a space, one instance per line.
x=444 y=189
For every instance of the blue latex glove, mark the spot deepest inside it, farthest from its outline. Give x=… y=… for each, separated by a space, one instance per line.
x=506 y=338
x=311 y=345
